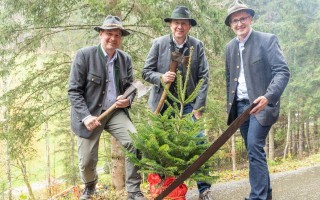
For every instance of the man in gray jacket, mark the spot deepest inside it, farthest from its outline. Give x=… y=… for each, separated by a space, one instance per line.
x=99 y=75
x=157 y=64
x=256 y=72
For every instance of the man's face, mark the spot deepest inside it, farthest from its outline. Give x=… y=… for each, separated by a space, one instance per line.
x=110 y=39
x=240 y=23
x=180 y=28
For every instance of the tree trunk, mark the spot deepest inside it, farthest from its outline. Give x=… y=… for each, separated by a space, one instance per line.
x=301 y=141
x=6 y=132
x=271 y=143
x=295 y=134
x=314 y=134
x=233 y=152
x=46 y=129
x=307 y=135
x=288 y=137
x=23 y=168
x=73 y=159
x=8 y=172
x=117 y=165
x=117 y=156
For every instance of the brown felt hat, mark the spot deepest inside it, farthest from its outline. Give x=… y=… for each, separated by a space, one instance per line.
x=236 y=7
x=112 y=22
x=181 y=12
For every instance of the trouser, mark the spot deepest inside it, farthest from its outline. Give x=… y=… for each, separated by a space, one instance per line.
x=254 y=135
x=119 y=126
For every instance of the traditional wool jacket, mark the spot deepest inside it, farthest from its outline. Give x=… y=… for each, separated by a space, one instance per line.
x=88 y=82
x=266 y=74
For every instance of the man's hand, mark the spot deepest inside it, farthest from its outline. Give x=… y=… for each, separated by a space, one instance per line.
x=261 y=103
x=197 y=114
x=122 y=103
x=168 y=77
x=91 y=123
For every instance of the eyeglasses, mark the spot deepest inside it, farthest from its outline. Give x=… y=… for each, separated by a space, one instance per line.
x=242 y=20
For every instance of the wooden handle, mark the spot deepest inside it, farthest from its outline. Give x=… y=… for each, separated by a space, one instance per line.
x=125 y=95
x=162 y=99
x=107 y=112
x=175 y=58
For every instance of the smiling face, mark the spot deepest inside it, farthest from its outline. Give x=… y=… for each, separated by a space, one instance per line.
x=240 y=23
x=180 y=29
x=110 y=40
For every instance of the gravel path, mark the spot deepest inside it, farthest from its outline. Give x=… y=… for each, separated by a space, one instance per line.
x=300 y=184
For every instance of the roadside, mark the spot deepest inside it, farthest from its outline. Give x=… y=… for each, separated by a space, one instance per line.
x=299 y=184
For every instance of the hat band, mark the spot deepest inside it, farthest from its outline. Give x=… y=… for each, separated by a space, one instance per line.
x=112 y=25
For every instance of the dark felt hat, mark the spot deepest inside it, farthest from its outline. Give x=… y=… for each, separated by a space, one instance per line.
x=181 y=12
x=112 y=22
x=235 y=7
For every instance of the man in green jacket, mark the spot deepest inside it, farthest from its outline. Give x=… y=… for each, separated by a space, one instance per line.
x=99 y=75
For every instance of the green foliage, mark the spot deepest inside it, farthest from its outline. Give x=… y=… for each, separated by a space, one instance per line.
x=169 y=144
x=38 y=40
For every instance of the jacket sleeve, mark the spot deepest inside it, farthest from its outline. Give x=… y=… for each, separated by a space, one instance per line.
x=203 y=73
x=130 y=78
x=77 y=82
x=150 y=72
x=279 y=68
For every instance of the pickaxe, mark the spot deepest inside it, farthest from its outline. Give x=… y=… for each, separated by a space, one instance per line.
x=176 y=57
x=135 y=86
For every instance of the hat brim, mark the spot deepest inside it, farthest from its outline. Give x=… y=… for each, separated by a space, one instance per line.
x=250 y=11
x=192 y=21
x=124 y=31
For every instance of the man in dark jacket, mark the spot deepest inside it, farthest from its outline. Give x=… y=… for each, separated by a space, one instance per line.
x=99 y=75
x=256 y=72
x=157 y=64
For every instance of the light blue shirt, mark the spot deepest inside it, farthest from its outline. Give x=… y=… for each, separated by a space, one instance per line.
x=111 y=92
x=242 y=92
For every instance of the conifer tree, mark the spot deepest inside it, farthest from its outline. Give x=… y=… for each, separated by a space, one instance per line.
x=169 y=142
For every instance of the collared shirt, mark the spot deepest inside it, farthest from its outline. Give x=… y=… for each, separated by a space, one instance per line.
x=242 y=92
x=111 y=92
x=179 y=45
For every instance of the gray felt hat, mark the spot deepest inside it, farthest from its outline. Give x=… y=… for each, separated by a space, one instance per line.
x=181 y=12
x=112 y=22
x=235 y=7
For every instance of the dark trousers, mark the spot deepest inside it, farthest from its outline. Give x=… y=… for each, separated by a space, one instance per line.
x=254 y=136
x=202 y=186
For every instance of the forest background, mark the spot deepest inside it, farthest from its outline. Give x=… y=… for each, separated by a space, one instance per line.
x=38 y=39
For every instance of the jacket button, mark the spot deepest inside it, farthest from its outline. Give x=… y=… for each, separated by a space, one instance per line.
x=238 y=67
x=233 y=92
x=103 y=92
x=92 y=79
x=100 y=105
x=230 y=104
x=235 y=79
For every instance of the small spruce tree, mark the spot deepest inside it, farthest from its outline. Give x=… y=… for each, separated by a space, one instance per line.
x=169 y=142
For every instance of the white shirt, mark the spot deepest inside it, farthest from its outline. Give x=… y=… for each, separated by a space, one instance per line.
x=111 y=92
x=179 y=45
x=242 y=92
